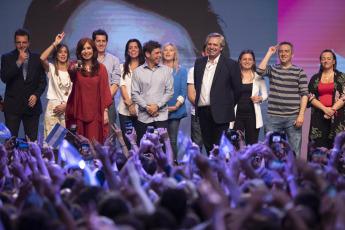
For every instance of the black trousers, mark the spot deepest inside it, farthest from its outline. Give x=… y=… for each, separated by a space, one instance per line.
x=246 y=122
x=30 y=124
x=142 y=127
x=210 y=130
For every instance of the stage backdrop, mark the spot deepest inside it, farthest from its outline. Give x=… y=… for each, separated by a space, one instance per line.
x=312 y=26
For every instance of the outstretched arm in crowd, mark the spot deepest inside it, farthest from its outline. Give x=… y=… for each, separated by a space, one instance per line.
x=109 y=173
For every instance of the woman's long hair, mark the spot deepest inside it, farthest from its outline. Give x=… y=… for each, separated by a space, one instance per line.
x=94 y=61
x=55 y=60
x=128 y=59
x=175 y=61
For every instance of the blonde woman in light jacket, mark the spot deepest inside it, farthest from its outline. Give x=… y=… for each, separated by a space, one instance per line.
x=248 y=111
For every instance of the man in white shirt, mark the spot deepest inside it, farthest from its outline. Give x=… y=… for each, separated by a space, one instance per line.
x=218 y=87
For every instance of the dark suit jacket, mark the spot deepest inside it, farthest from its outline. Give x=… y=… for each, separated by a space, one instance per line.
x=226 y=87
x=18 y=91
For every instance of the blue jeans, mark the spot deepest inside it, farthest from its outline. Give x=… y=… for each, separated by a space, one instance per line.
x=286 y=124
x=173 y=125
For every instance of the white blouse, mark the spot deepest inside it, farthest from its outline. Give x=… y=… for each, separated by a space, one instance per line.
x=59 y=87
x=122 y=108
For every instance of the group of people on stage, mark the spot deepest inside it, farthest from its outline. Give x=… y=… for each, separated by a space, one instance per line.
x=154 y=86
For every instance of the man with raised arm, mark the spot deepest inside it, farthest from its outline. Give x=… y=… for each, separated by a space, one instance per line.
x=288 y=95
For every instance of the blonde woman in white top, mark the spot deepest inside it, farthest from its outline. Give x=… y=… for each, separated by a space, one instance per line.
x=59 y=86
x=248 y=111
x=128 y=111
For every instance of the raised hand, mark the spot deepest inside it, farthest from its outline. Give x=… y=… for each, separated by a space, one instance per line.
x=47 y=152
x=272 y=49
x=117 y=131
x=35 y=150
x=163 y=133
x=59 y=38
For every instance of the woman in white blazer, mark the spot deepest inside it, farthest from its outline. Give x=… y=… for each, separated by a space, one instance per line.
x=248 y=111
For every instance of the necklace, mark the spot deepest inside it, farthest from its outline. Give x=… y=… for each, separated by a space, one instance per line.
x=329 y=75
x=67 y=85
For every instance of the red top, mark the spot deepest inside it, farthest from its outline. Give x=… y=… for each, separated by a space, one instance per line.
x=89 y=97
x=326 y=93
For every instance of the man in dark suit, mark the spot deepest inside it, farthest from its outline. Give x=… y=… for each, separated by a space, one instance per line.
x=25 y=80
x=218 y=86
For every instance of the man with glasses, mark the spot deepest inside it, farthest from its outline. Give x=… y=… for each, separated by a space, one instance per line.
x=25 y=80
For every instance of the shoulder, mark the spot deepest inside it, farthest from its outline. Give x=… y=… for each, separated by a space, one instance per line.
x=10 y=54
x=228 y=62
x=138 y=70
x=34 y=55
x=299 y=69
x=258 y=77
x=102 y=68
x=340 y=76
x=182 y=70
x=112 y=57
x=200 y=60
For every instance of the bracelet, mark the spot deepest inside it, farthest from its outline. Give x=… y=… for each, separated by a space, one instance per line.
x=130 y=105
x=335 y=112
x=177 y=107
x=54 y=45
x=106 y=109
x=122 y=145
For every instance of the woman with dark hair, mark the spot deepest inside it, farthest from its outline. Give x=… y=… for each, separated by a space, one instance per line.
x=177 y=108
x=134 y=57
x=248 y=111
x=87 y=106
x=60 y=84
x=326 y=98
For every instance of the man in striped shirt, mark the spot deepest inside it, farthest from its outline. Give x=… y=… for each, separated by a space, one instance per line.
x=288 y=94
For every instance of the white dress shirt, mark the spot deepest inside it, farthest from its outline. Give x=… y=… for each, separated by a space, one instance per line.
x=207 y=80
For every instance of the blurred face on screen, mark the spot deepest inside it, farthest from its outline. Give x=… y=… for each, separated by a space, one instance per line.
x=124 y=21
x=101 y=43
x=285 y=54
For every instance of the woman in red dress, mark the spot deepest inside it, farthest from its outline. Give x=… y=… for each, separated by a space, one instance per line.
x=88 y=103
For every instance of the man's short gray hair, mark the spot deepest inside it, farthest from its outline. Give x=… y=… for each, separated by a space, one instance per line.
x=222 y=39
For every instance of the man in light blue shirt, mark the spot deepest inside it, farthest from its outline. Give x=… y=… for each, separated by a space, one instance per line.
x=112 y=64
x=152 y=89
